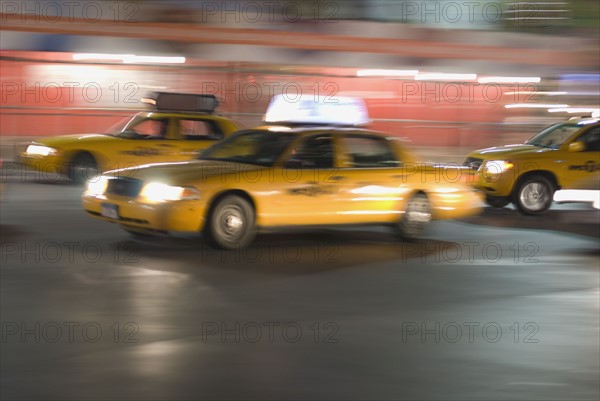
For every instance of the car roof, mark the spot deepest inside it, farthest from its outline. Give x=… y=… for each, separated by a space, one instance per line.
x=581 y=121
x=185 y=114
x=316 y=128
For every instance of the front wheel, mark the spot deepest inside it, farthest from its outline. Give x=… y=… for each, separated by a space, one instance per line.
x=83 y=168
x=231 y=224
x=417 y=216
x=534 y=195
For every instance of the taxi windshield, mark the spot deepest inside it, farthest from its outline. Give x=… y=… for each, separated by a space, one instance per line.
x=262 y=148
x=553 y=136
x=123 y=125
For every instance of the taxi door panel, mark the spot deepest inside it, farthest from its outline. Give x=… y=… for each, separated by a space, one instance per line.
x=306 y=193
x=583 y=166
x=191 y=136
x=373 y=185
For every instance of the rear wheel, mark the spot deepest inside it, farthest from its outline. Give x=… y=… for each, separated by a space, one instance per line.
x=534 y=195
x=83 y=168
x=416 y=217
x=231 y=224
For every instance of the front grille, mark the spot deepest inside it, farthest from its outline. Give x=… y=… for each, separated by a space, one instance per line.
x=124 y=186
x=473 y=163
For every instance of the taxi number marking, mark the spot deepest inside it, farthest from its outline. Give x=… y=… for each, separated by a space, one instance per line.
x=141 y=151
x=588 y=166
x=313 y=190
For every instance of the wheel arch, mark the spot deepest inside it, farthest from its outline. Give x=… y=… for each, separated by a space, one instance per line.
x=544 y=173
x=75 y=153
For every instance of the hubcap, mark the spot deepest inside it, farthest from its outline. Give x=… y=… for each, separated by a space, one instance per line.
x=231 y=222
x=417 y=216
x=534 y=196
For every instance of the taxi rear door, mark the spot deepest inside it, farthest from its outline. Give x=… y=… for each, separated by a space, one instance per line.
x=192 y=135
x=372 y=182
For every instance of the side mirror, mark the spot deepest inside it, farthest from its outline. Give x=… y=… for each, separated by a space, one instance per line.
x=576 y=146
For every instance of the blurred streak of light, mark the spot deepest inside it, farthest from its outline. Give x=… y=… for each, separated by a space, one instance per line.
x=502 y=80
x=154 y=59
x=129 y=58
x=386 y=73
x=574 y=110
x=445 y=77
x=548 y=93
x=100 y=56
x=534 y=106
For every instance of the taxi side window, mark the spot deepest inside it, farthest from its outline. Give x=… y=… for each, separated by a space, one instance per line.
x=365 y=151
x=199 y=130
x=591 y=139
x=315 y=152
x=151 y=129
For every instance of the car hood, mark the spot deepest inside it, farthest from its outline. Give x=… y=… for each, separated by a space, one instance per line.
x=72 y=141
x=507 y=151
x=187 y=172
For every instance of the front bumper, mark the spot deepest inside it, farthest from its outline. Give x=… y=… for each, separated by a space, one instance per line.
x=182 y=216
x=495 y=184
x=53 y=164
x=456 y=205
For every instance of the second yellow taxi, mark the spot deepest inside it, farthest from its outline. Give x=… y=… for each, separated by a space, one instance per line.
x=179 y=126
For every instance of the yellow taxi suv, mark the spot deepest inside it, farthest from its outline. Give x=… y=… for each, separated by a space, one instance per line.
x=528 y=175
x=177 y=129
x=303 y=170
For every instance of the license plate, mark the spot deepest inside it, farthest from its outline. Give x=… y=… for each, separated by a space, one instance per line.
x=110 y=211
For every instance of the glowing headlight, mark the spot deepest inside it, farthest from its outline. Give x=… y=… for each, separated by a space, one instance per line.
x=97 y=186
x=156 y=192
x=497 y=166
x=40 y=150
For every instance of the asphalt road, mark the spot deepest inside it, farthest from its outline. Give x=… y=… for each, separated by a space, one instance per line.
x=499 y=307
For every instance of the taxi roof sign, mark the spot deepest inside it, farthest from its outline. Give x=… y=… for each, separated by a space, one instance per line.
x=310 y=109
x=170 y=101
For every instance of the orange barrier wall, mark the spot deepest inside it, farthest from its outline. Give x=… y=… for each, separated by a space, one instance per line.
x=50 y=94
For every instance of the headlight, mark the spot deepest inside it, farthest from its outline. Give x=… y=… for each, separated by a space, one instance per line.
x=497 y=166
x=40 y=150
x=97 y=186
x=156 y=192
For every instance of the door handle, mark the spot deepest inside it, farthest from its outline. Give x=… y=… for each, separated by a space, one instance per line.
x=165 y=145
x=338 y=178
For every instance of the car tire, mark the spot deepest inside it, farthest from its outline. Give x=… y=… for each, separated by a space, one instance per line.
x=231 y=223
x=82 y=168
x=416 y=217
x=497 y=201
x=534 y=195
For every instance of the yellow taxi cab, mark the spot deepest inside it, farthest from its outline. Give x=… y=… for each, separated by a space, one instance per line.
x=293 y=171
x=528 y=174
x=180 y=126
